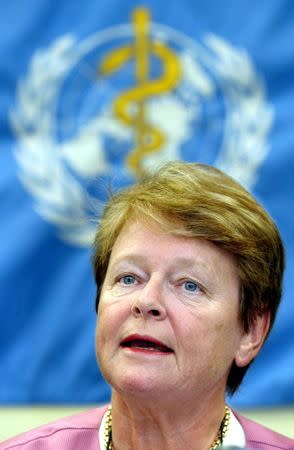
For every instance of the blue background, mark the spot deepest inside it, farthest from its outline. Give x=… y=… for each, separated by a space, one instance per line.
x=46 y=285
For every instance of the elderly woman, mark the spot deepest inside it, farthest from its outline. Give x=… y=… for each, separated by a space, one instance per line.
x=189 y=269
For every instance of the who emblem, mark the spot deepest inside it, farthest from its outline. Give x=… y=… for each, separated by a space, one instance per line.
x=105 y=110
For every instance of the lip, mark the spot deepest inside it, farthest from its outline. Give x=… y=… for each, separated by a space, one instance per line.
x=166 y=350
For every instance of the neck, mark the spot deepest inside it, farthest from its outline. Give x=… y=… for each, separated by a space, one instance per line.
x=137 y=424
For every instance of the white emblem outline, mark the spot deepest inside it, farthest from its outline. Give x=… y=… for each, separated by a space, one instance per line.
x=61 y=200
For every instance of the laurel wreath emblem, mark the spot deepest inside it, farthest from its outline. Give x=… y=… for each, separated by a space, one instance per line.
x=60 y=197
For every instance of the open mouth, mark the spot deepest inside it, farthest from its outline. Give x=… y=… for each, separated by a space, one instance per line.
x=145 y=344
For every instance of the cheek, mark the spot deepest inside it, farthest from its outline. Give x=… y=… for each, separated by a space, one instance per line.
x=98 y=329
x=211 y=339
x=227 y=342
x=104 y=326
x=99 y=340
x=111 y=317
x=104 y=344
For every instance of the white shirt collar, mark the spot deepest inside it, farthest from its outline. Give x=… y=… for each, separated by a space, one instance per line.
x=235 y=436
x=101 y=432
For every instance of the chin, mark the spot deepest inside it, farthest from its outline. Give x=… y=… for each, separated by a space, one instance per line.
x=137 y=384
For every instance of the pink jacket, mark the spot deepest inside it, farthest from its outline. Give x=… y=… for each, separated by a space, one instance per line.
x=260 y=437
x=80 y=432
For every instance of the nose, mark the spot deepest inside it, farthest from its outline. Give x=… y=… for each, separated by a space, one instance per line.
x=149 y=303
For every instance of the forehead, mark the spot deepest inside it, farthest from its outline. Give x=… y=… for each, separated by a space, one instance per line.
x=140 y=240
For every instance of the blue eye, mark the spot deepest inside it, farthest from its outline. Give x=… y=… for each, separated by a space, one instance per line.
x=128 y=279
x=191 y=286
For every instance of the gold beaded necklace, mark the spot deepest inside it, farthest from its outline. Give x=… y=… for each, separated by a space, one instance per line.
x=216 y=443
x=108 y=430
x=222 y=430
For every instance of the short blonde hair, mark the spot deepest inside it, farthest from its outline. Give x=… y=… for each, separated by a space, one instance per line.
x=200 y=201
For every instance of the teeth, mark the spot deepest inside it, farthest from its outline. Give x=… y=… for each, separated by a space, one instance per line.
x=147 y=348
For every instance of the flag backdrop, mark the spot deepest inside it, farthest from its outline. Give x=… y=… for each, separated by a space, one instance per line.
x=93 y=92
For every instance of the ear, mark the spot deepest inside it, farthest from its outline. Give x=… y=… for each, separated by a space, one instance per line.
x=252 y=341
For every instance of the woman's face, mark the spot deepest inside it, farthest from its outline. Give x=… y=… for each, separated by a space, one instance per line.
x=168 y=315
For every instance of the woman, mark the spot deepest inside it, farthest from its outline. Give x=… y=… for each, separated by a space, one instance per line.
x=189 y=270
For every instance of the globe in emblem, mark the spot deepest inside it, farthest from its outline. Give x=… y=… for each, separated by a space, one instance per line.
x=105 y=110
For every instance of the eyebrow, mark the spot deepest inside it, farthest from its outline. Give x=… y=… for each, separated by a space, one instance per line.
x=180 y=260
x=129 y=258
